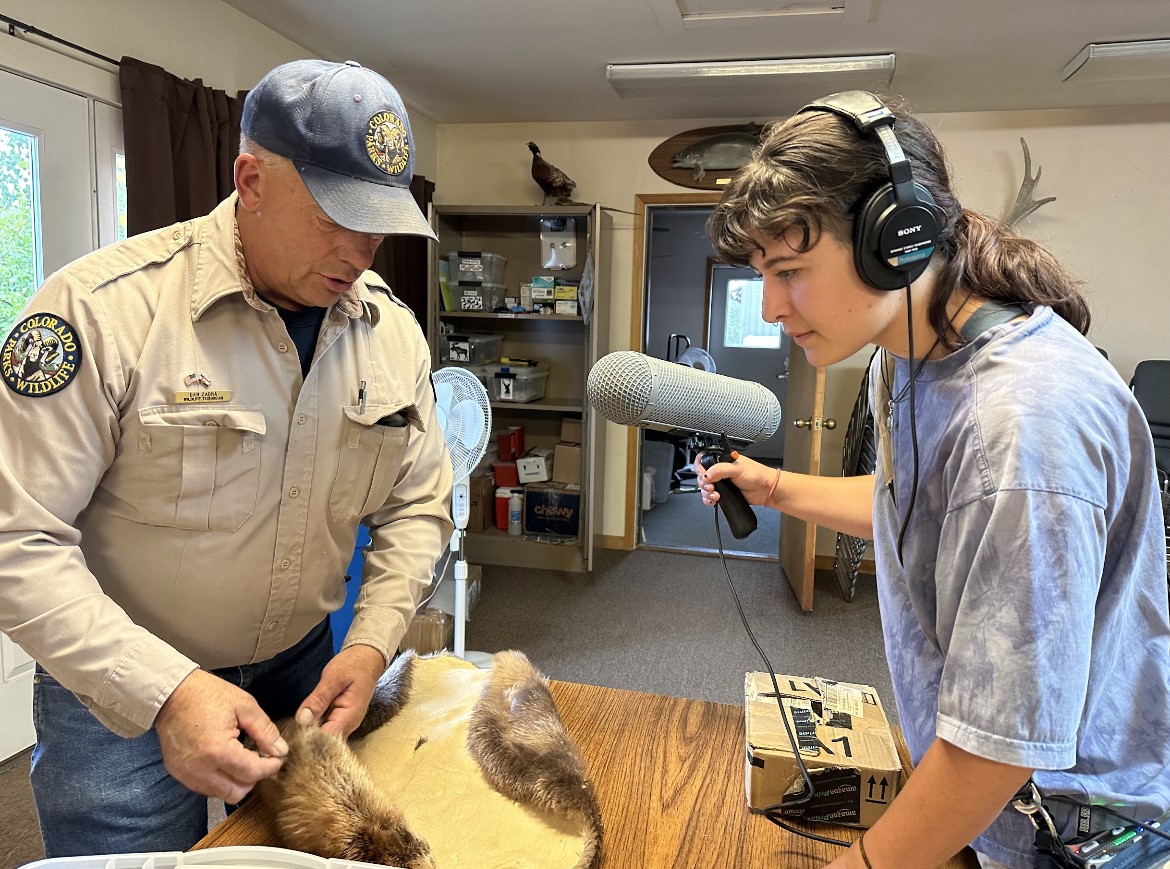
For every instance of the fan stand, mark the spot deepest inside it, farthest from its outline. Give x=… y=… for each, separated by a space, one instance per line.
x=483 y=660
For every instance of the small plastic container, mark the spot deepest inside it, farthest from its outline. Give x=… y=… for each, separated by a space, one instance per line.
x=476 y=265
x=470 y=348
x=478 y=297
x=518 y=383
x=231 y=857
x=503 y=496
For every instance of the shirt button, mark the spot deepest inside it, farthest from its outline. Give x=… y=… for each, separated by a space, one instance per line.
x=211 y=422
x=284 y=564
x=282 y=347
x=272 y=625
x=176 y=235
x=301 y=419
x=293 y=492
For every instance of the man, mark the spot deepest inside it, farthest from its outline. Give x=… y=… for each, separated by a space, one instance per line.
x=233 y=396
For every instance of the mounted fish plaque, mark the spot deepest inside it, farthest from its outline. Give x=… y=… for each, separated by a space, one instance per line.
x=706 y=158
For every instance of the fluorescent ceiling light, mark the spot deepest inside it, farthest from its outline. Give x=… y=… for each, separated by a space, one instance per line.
x=826 y=74
x=1120 y=61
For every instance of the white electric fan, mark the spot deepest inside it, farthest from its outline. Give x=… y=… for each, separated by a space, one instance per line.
x=465 y=417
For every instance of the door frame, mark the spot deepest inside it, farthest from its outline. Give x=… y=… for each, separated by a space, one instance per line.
x=642 y=204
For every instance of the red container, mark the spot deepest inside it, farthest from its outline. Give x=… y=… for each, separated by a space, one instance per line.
x=510 y=444
x=502 y=496
x=506 y=473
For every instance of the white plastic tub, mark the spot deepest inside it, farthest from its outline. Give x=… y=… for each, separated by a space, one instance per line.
x=239 y=857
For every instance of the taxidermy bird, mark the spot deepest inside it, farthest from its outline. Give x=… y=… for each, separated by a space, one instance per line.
x=556 y=184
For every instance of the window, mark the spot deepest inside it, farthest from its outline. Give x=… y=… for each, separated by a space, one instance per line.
x=744 y=327
x=20 y=242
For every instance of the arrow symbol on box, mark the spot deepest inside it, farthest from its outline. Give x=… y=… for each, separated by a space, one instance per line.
x=874 y=783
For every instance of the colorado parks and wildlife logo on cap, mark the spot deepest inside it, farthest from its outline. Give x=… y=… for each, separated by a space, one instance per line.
x=40 y=356
x=387 y=143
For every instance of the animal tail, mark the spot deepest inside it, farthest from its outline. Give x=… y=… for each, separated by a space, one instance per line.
x=390 y=694
x=516 y=735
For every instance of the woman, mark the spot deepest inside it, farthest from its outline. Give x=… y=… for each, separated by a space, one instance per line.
x=1017 y=527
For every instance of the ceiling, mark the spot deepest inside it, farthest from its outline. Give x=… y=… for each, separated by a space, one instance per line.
x=473 y=61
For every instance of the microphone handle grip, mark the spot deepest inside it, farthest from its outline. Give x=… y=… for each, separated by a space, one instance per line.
x=736 y=510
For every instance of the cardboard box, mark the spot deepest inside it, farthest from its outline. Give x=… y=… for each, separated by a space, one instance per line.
x=536 y=465
x=428 y=632
x=571 y=430
x=568 y=309
x=845 y=743
x=481 y=501
x=567 y=464
x=552 y=508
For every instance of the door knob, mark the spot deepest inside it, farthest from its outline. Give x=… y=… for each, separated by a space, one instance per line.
x=829 y=423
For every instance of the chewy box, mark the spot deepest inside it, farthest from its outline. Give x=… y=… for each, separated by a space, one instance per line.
x=845 y=742
x=551 y=508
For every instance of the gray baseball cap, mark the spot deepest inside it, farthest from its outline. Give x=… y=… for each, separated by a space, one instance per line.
x=345 y=129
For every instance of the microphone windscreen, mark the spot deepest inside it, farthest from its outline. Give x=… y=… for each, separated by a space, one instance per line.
x=634 y=389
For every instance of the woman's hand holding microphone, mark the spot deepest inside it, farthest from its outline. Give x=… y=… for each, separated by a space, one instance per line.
x=757 y=482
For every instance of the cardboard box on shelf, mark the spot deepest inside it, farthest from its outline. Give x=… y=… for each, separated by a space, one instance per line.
x=536 y=465
x=571 y=430
x=566 y=308
x=482 y=493
x=552 y=508
x=566 y=464
x=845 y=743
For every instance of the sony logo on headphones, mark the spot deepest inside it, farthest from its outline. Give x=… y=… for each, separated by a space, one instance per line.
x=909 y=230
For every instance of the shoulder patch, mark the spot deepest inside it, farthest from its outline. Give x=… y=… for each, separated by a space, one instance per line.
x=40 y=356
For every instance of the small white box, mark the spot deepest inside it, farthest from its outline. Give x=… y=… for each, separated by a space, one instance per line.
x=566 y=306
x=535 y=466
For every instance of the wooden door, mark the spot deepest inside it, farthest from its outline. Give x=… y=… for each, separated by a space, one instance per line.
x=802 y=455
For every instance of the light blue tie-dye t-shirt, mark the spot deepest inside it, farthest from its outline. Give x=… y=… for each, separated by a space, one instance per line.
x=1028 y=624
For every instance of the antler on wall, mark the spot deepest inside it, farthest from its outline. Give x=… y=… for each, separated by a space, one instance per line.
x=1025 y=204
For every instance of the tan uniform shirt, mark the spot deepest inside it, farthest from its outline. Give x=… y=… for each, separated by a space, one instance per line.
x=175 y=494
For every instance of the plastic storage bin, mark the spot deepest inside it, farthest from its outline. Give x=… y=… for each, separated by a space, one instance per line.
x=471 y=348
x=475 y=265
x=484 y=297
x=235 y=856
x=518 y=382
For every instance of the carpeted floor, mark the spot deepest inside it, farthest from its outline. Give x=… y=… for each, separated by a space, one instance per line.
x=683 y=521
x=649 y=621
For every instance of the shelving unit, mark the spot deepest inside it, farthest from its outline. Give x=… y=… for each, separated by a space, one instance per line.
x=567 y=343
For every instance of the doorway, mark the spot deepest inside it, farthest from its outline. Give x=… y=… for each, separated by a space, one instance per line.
x=707 y=315
x=60 y=155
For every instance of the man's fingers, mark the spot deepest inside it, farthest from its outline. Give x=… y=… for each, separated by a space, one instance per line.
x=222 y=786
x=263 y=731
x=305 y=716
x=246 y=767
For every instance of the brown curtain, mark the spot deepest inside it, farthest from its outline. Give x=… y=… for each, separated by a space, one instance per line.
x=182 y=139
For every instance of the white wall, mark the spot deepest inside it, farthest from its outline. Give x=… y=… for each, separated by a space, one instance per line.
x=1107 y=167
x=206 y=39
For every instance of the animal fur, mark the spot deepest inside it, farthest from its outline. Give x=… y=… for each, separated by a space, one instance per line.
x=516 y=736
x=323 y=800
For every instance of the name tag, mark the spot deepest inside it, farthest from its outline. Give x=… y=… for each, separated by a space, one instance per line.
x=207 y=396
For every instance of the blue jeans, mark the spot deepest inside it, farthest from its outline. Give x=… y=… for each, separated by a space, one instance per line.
x=98 y=793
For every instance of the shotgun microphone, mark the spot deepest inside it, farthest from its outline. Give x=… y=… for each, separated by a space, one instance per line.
x=634 y=389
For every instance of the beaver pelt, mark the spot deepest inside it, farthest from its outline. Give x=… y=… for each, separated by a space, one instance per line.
x=323 y=800
x=516 y=735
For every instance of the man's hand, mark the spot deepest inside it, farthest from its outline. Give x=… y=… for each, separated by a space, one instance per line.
x=344 y=692
x=199 y=728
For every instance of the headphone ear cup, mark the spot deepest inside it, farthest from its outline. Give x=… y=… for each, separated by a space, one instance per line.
x=879 y=210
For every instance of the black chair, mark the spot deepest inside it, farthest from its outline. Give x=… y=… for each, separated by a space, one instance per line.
x=1151 y=387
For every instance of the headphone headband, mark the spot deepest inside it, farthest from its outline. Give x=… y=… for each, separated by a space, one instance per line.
x=897 y=227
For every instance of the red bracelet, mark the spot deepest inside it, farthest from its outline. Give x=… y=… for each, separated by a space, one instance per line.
x=864 y=856
x=776 y=480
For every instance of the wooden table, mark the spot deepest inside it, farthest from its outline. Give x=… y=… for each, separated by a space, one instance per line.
x=669 y=777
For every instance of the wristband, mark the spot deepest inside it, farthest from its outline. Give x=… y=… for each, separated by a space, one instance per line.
x=775 y=480
x=864 y=856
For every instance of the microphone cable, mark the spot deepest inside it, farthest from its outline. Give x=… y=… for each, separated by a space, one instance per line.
x=772 y=812
x=913 y=375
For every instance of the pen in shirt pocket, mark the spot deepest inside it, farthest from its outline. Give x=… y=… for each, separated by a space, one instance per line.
x=362 y=397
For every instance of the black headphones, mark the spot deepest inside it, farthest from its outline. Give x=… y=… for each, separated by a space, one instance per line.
x=896 y=228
